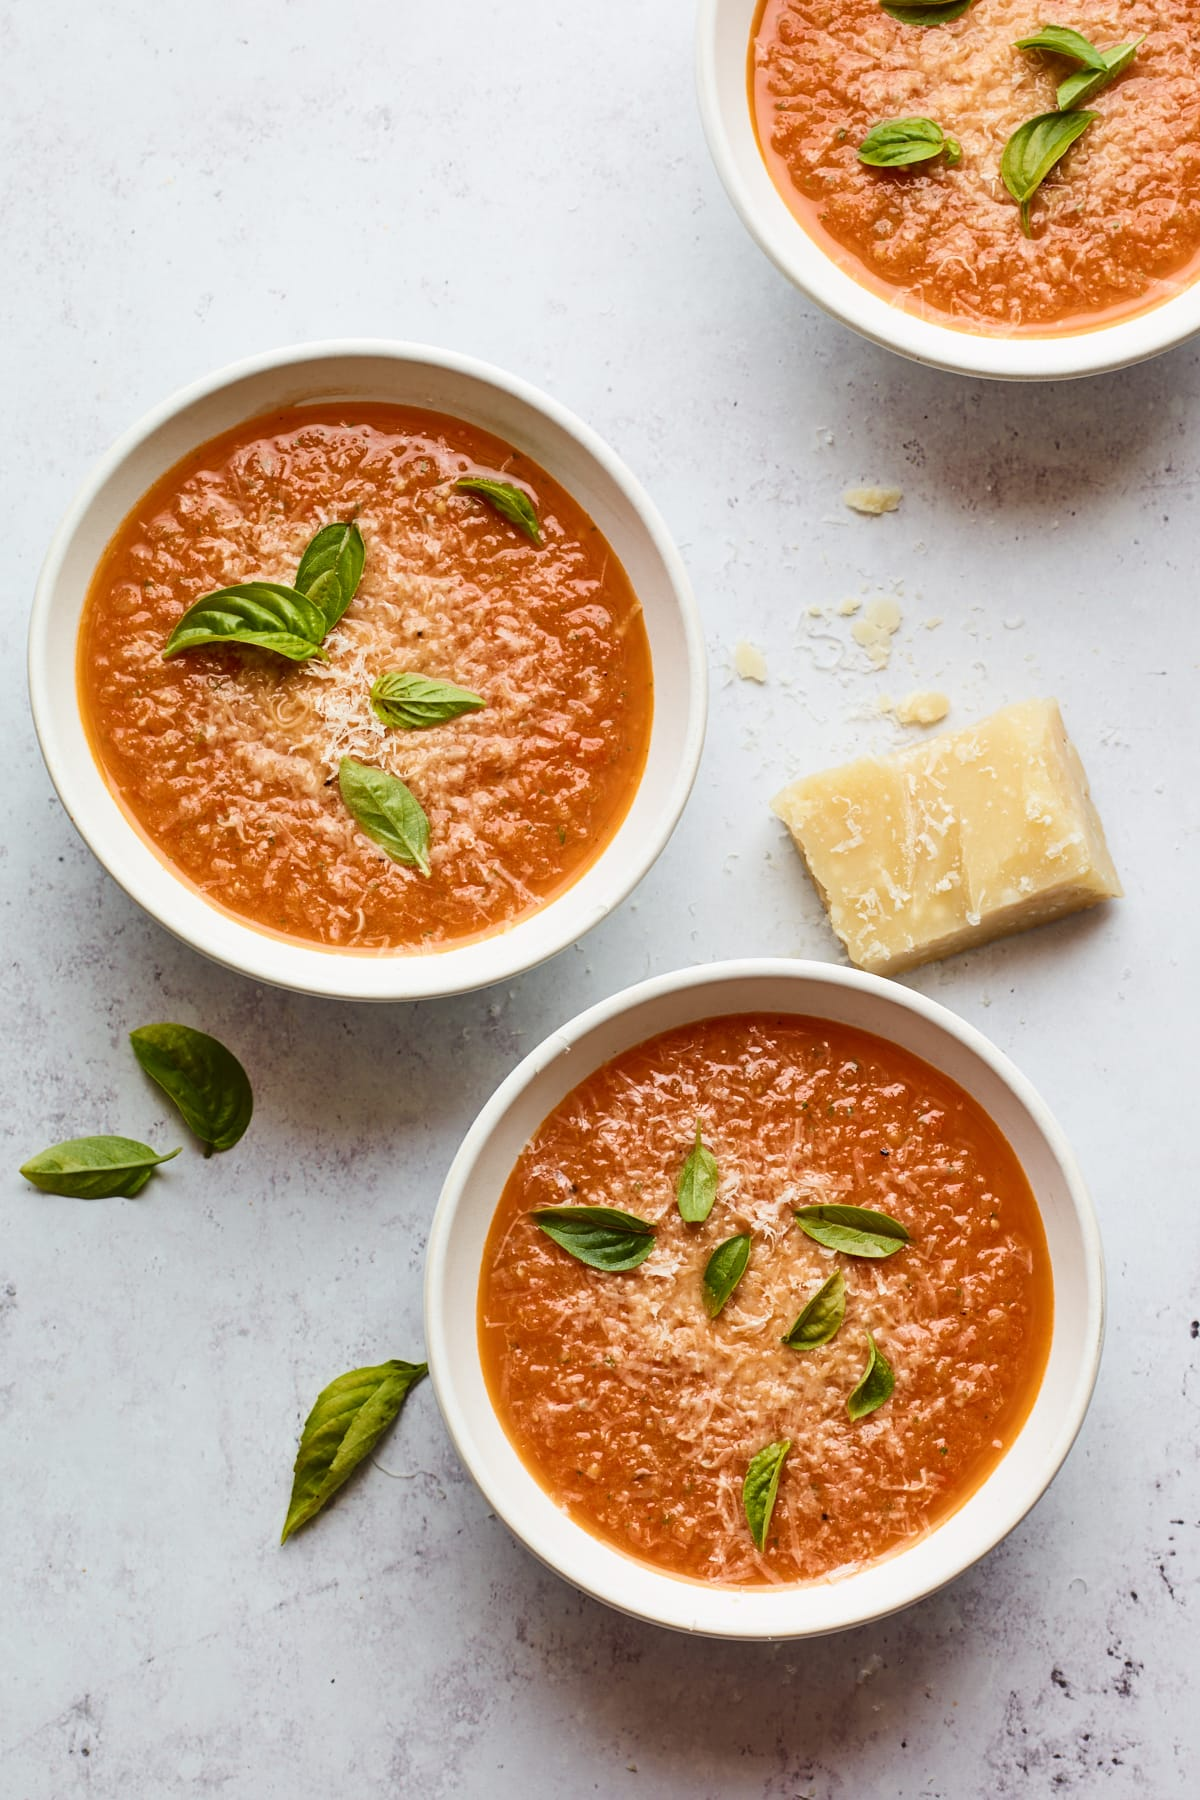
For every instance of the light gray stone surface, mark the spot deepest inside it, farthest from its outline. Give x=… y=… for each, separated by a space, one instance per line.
x=187 y=184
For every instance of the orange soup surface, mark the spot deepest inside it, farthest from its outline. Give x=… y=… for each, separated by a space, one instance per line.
x=1116 y=226
x=640 y=1414
x=227 y=757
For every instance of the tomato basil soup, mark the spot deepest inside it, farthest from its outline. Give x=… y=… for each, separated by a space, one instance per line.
x=641 y=1414
x=1114 y=227
x=227 y=756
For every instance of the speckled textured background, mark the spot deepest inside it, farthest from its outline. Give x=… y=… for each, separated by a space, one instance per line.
x=187 y=184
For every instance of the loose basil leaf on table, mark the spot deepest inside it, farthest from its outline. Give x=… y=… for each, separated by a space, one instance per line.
x=723 y=1271
x=933 y=12
x=821 y=1318
x=387 y=811
x=264 y=614
x=331 y=569
x=854 y=1230
x=696 y=1188
x=898 y=143
x=512 y=503
x=1032 y=151
x=205 y=1080
x=1060 y=40
x=345 y=1425
x=760 y=1488
x=1080 y=87
x=875 y=1385
x=413 y=702
x=94 y=1168
x=603 y=1237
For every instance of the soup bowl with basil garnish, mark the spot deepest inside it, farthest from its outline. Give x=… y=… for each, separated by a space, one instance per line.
x=787 y=1299
x=369 y=671
x=996 y=188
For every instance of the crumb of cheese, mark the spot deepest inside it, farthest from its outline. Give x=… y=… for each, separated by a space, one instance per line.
x=873 y=500
x=925 y=706
x=749 y=662
x=876 y=629
x=848 y=608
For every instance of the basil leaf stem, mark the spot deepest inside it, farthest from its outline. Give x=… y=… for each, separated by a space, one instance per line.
x=1033 y=150
x=205 y=1080
x=1078 y=88
x=723 y=1270
x=854 y=1230
x=1060 y=40
x=94 y=1168
x=603 y=1237
x=875 y=1385
x=385 y=809
x=511 y=502
x=412 y=702
x=696 y=1188
x=897 y=143
x=821 y=1317
x=331 y=569
x=263 y=614
x=760 y=1488
x=346 y=1423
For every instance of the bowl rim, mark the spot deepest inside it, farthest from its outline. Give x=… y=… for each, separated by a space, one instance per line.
x=779 y=234
x=320 y=970
x=675 y=1602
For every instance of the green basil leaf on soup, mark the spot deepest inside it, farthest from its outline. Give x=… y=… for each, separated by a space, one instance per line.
x=205 y=1080
x=875 y=1385
x=343 y=1428
x=387 y=811
x=414 y=702
x=1033 y=150
x=512 y=503
x=331 y=569
x=1079 y=88
x=898 y=143
x=761 y=1487
x=723 y=1270
x=821 y=1317
x=696 y=1188
x=933 y=12
x=95 y=1168
x=1060 y=40
x=854 y=1230
x=263 y=614
x=603 y=1237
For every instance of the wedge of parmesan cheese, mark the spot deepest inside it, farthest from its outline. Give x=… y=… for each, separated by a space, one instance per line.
x=961 y=838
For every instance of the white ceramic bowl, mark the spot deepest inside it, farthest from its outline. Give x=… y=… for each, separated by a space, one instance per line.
x=469 y=1199
x=443 y=382
x=723 y=38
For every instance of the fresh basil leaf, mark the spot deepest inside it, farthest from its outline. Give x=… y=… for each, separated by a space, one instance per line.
x=261 y=613
x=1032 y=151
x=896 y=143
x=512 y=503
x=854 y=1230
x=387 y=812
x=603 y=1237
x=1080 y=87
x=696 y=1188
x=821 y=1318
x=413 y=702
x=1060 y=40
x=345 y=1425
x=94 y=1168
x=723 y=1270
x=761 y=1487
x=205 y=1080
x=933 y=12
x=875 y=1384
x=331 y=569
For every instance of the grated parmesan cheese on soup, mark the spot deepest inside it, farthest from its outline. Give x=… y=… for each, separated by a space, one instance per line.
x=640 y=1414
